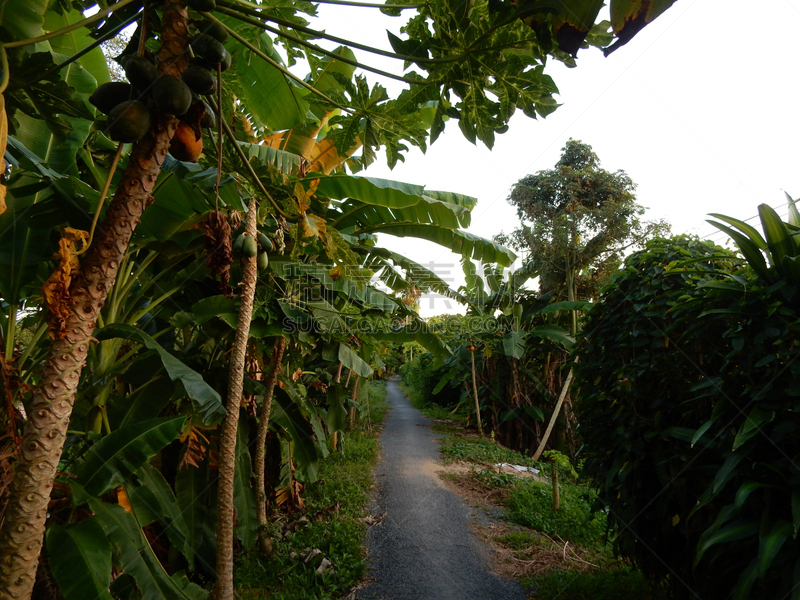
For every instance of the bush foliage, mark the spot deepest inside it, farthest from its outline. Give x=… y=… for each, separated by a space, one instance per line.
x=689 y=397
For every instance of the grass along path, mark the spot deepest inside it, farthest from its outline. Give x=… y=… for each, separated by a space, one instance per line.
x=560 y=555
x=330 y=527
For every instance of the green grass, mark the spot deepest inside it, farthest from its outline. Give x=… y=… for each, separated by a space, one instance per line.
x=344 y=477
x=531 y=504
x=482 y=451
x=614 y=583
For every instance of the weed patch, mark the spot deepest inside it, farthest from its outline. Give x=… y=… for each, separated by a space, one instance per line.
x=530 y=504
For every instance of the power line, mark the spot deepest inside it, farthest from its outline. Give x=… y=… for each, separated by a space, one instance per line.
x=720 y=236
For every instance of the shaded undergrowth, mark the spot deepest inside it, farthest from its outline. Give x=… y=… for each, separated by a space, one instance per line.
x=318 y=552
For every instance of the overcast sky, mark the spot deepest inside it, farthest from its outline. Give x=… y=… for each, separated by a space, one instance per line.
x=700 y=109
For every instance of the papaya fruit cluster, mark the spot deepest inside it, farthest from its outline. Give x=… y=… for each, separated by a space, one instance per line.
x=259 y=246
x=130 y=105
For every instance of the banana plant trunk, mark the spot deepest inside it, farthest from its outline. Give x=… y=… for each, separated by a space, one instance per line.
x=475 y=391
x=22 y=533
x=227 y=442
x=353 y=398
x=261 y=442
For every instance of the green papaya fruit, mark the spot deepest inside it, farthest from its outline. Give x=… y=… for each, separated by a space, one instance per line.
x=209 y=119
x=207 y=48
x=238 y=244
x=199 y=80
x=263 y=261
x=171 y=95
x=250 y=247
x=140 y=72
x=107 y=96
x=215 y=30
x=265 y=242
x=129 y=121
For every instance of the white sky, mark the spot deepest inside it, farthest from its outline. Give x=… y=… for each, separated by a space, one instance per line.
x=700 y=109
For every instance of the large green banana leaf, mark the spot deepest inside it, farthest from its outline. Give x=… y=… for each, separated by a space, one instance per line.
x=195 y=490
x=152 y=499
x=353 y=361
x=427 y=210
x=206 y=401
x=284 y=106
x=418 y=332
x=286 y=414
x=136 y=557
x=422 y=277
x=23 y=19
x=354 y=289
x=121 y=453
x=370 y=190
x=460 y=242
x=244 y=498
x=79 y=556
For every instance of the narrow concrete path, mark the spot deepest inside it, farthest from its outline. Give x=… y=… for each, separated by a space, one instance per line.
x=424 y=549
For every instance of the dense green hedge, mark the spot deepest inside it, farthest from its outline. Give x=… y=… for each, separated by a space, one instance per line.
x=689 y=405
x=423 y=374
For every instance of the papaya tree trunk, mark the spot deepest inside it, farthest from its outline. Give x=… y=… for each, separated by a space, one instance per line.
x=227 y=441
x=22 y=533
x=261 y=442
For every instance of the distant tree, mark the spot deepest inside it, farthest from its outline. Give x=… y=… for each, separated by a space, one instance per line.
x=576 y=221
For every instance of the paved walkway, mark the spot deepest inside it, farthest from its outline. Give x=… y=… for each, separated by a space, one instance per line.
x=424 y=549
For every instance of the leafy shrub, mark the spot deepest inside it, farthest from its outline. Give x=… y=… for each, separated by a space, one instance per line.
x=423 y=375
x=689 y=398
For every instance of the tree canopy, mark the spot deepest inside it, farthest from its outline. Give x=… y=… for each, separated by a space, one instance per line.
x=576 y=220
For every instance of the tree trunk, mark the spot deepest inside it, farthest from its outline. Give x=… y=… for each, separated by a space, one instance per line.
x=227 y=441
x=261 y=442
x=553 y=418
x=353 y=397
x=51 y=405
x=475 y=390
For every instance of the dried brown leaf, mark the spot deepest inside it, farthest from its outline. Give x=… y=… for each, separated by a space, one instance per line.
x=56 y=289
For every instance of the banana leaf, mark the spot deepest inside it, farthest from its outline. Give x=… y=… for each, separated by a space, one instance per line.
x=121 y=453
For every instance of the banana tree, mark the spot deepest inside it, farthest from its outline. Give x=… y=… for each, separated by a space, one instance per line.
x=63 y=164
